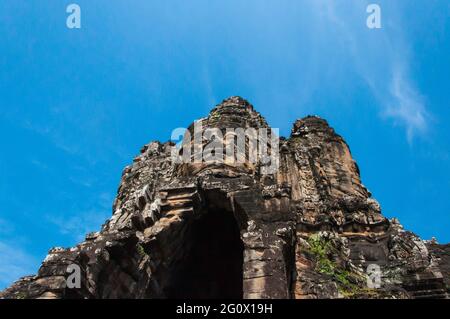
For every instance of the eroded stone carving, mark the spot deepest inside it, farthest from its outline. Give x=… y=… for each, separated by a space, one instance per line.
x=309 y=230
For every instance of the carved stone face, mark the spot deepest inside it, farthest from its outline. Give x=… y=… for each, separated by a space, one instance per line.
x=229 y=142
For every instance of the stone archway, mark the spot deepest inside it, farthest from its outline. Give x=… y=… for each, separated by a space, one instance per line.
x=207 y=246
x=211 y=265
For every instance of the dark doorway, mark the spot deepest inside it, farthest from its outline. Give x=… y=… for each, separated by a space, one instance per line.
x=211 y=266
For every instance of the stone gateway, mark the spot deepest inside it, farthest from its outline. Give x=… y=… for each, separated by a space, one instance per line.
x=310 y=229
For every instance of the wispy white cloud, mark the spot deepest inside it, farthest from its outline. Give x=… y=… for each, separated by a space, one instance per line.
x=15 y=263
x=85 y=181
x=39 y=164
x=5 y=227
x=408 y=106
x=79 y=223
x=105 y=200
x=77 y=226
x=382 y=58
x=55 y=136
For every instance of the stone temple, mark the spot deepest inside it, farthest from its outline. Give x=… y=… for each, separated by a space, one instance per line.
x=222 y=230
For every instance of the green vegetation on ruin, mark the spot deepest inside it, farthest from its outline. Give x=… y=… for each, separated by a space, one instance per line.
x=350 y=284
x=140 y=250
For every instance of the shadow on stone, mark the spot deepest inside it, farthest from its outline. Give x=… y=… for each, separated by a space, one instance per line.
x=211 y=266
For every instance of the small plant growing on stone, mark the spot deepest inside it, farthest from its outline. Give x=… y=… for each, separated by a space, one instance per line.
x=140 y=250
x=347 y=281
x=21 y=295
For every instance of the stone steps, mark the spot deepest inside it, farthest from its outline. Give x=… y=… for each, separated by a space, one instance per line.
x=177 y=201
x=432 y=288
x=430 y=294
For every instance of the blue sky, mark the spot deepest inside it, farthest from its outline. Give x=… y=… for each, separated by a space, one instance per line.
x=77 y=105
